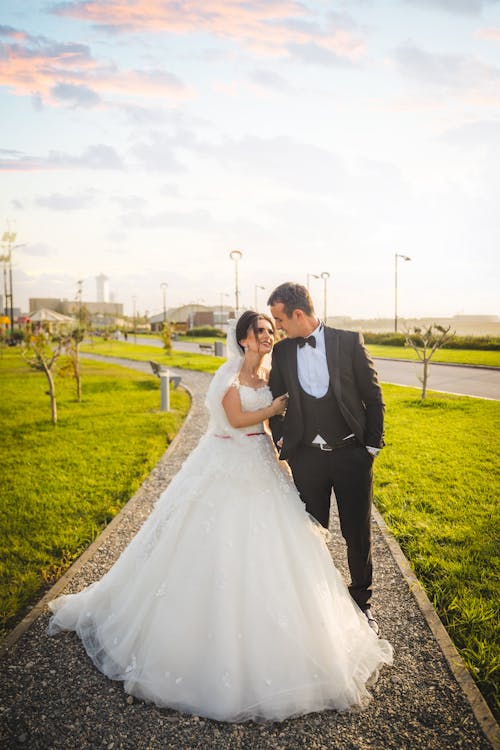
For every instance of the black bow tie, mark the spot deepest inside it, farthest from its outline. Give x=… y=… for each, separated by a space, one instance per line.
x=309 y=340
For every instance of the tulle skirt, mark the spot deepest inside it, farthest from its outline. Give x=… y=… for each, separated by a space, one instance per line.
x=226 y=604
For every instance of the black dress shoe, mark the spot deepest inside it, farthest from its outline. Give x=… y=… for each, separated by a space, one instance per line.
x=371 y=620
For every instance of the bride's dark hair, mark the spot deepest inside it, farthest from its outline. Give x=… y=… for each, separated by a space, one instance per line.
x=250 y=320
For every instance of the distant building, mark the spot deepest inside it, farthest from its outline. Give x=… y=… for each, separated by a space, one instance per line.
x=101 y=314
x=102 y=284
x=190 y=316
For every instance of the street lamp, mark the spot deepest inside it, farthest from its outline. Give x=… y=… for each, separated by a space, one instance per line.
x=403 y=257
x=325 y=276
x=163 y=287
x=314 y=275
x=236 y=255
x=8 y=238
x=256 y=287
x=135 y=334
x=79 y=292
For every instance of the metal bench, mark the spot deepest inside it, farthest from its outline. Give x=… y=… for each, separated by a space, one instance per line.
x=207 y=348
x=157 y=369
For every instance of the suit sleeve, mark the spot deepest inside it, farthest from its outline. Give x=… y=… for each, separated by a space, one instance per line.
x=370 y=392
x=278 y=387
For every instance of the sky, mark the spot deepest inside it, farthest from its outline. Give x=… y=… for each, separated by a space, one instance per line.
x=147 y=139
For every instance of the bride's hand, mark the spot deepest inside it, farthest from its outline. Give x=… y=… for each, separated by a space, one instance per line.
x=279 y=405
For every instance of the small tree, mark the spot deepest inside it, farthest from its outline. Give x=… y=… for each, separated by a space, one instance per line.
x=166 y=337
x=41 y=353
x=71 y=344
x=426 y=342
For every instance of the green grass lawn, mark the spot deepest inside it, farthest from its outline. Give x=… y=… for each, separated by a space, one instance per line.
x=59 y=486
x=437 y=486
x=143 y=353
x=452 y=356
x=208 y=363
x=436 y=483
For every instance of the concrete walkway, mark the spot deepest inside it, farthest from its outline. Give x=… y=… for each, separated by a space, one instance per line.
x=51 y=696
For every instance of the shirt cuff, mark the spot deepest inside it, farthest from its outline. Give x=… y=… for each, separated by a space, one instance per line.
x=373 y=451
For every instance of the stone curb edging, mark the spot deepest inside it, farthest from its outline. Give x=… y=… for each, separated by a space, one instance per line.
x=455 y=662
x=11 y=638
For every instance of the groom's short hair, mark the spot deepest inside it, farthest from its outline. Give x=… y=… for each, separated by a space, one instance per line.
x=293 y=297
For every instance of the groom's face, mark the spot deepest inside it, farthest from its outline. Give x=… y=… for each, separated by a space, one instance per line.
x=291 y=326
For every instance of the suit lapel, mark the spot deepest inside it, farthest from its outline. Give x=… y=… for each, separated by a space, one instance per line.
x=291 y=366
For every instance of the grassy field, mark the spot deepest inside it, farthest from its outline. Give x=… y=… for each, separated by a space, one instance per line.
x=437 y=486
x=452 y=356
x=143 y=353
x=61 y=485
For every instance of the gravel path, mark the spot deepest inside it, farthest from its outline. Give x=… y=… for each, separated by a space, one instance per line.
x=52 y=697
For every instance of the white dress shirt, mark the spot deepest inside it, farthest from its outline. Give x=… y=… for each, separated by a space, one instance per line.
x=312 y=367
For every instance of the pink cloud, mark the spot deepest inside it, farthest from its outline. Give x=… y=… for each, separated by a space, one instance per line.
x=37 y=65
x=491 y=33
x=270 y=27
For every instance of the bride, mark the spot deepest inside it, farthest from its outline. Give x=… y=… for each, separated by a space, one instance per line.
x=226 y=604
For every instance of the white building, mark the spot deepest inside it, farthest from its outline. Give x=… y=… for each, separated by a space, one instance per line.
x=102 y=283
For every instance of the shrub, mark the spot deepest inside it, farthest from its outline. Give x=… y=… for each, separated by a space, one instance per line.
x=388 y=339
x=206 y=331
x=486 y=343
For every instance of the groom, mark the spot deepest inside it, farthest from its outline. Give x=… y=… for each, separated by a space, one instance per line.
x=333 y=426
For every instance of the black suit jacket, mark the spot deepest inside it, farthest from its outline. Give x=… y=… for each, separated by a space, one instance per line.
x=354 y=383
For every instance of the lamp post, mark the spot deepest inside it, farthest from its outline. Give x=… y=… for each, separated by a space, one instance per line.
x=8 y=238
x=256 y=288
x=135 y=335
x=163 y=287
x=403 y=257
x=79 y=293
x=314 y=275
x=236 y=255
x=325 y=276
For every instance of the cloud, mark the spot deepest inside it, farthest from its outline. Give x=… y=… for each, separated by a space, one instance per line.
x=270 y=80
x=468 y=7
x=98 y=156
x=284 y=160
x=63 y=202
x=491 y=33
x=268 y=27
x=38 y=250
x=449 y=73
x=157 y=153
x=60 y=73
x=475 y=134
x=198 y=219
x=129 y=202
x=77 y=95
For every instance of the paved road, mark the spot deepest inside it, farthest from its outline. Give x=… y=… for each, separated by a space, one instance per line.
x=468 y=381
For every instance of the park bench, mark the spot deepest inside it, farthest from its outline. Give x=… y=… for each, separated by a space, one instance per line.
x=157 y=369
x=207 y=348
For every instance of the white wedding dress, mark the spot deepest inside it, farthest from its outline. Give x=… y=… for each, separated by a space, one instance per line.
x=227 y=604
